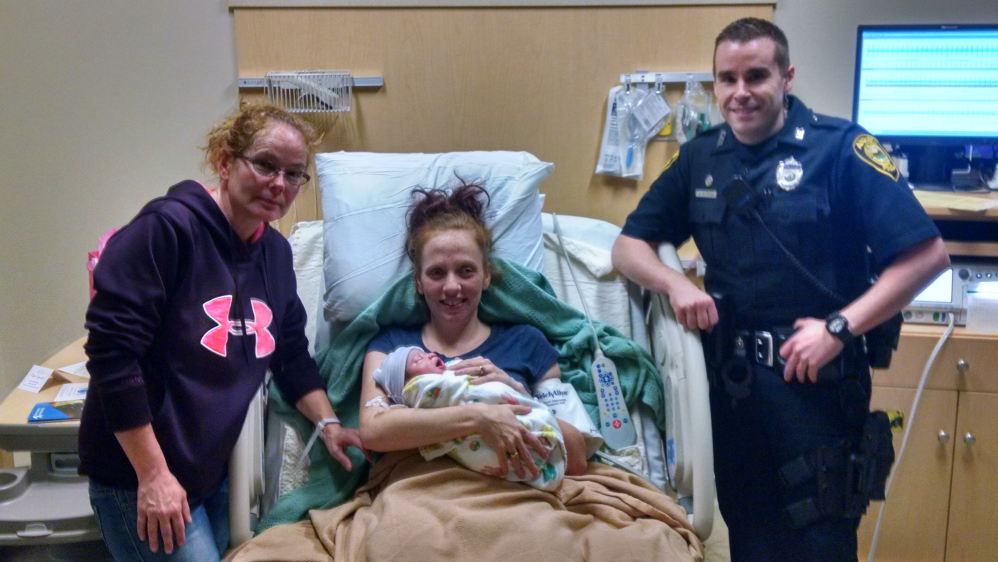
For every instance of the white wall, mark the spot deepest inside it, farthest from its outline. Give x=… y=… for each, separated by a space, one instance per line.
x=103 y=105
x=822 y=35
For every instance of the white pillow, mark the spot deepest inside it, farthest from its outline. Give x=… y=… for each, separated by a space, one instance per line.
x=365 y=197
x=592 y=231
x=306 y=251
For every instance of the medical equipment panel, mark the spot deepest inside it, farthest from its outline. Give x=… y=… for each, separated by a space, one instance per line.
x=947 y=294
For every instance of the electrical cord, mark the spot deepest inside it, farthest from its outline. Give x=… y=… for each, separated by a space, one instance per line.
x=598 y=351
x=907 y=431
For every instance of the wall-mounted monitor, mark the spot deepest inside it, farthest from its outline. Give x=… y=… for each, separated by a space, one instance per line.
x=929 y=88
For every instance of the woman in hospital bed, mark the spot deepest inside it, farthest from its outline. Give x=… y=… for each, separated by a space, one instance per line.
x=413 y=509
x=449 y=246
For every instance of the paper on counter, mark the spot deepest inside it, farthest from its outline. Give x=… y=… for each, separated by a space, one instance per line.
x=35 y=379
x=77 y=369
x=982 y=307
x=955 y=201
x=71 y=391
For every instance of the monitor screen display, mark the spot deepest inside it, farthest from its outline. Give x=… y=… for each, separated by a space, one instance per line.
x=937 y=84
x=939 y=291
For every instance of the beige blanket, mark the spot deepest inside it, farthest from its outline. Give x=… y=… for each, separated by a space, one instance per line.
x=412 y=509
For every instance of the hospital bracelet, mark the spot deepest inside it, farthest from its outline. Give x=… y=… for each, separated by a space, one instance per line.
x=326 y=421
x=319 y=425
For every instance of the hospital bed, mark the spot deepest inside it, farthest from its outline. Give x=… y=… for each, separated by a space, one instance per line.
x=364 y=198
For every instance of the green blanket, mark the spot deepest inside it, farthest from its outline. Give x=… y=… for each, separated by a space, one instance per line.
x=517 y=295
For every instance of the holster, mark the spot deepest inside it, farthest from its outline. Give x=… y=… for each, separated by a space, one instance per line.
x=876 y=449
x=727 y=363
x=844 y=478
x=882 y=340
x=719 y=342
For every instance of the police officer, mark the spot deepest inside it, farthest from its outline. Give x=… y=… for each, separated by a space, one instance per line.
x=787 y=208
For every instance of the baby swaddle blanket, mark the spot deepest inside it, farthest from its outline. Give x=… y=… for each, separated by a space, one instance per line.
x=448 y=389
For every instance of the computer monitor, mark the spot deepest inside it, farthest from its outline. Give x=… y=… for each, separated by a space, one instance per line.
x=931 y=89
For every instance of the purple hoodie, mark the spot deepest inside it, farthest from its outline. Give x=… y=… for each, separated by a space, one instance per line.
x=185 y=323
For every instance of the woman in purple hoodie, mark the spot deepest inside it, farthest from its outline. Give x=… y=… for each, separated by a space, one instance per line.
x=196 y=299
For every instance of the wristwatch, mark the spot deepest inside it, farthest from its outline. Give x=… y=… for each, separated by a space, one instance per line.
x=838 y=326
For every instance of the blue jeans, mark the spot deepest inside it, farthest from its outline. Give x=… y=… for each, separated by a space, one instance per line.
x=117 y=514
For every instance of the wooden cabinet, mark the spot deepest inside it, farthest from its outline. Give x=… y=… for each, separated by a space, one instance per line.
x=943 y=504
x=973 y=518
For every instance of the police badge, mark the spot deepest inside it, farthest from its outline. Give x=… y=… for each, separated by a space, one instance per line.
x=788 y=174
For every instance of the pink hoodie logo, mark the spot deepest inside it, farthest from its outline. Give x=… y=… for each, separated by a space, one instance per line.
x=217 y=338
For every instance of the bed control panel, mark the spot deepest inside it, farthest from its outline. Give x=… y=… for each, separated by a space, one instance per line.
x=614 y=421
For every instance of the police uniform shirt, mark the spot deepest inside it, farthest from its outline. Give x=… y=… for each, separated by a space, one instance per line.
x=824 y=187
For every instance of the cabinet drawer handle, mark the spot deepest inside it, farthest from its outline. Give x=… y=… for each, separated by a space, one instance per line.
x=962 y=366
x=969 y=439
x=943 y=436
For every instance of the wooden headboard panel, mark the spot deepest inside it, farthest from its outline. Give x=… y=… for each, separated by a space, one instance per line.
x=531 y=79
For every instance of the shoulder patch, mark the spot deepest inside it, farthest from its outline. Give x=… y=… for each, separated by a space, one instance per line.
x=869 y=150
x=672 y=159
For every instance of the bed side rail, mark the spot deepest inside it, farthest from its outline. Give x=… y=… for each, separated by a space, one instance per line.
x=697 y=408
x=246 y=474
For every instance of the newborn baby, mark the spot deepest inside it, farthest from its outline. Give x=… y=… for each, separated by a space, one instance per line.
x=419 y=379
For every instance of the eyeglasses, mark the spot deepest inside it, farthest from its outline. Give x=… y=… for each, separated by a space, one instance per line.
x=268 y=169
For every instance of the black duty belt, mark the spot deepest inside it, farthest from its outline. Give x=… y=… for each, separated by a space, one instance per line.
x=762 y=346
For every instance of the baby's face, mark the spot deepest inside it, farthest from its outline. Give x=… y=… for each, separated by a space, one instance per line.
x=420 y=362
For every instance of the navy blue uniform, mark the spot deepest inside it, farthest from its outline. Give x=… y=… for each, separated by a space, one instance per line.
x=831 y=196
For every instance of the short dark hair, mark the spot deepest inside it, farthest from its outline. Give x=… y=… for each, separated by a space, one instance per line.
x=747 y=29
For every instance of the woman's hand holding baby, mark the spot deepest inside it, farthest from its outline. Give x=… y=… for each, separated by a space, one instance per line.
x=482 y=371
x=504 y=434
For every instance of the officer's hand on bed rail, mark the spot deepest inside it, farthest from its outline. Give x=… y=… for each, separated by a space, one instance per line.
x=694 y=308
x=482 y=370
x=337 y=438
x=503 y=432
